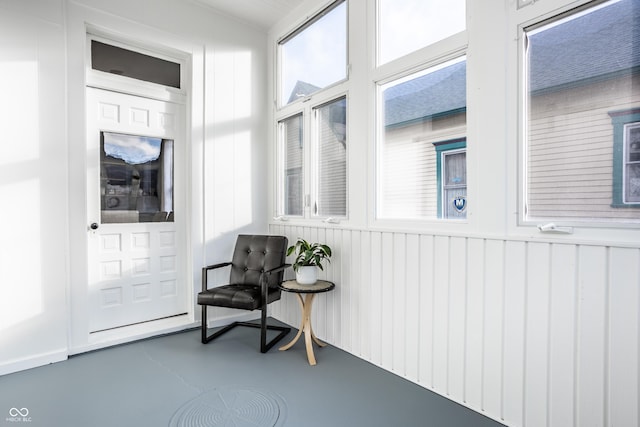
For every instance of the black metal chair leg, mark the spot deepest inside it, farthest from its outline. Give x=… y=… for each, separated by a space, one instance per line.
x=203 y=329
x=263 y=326
x=263 y=329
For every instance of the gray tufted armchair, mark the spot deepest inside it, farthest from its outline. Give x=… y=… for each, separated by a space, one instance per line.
x=257 y=268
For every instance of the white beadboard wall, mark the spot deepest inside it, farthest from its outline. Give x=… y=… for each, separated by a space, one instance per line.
x=527 y=333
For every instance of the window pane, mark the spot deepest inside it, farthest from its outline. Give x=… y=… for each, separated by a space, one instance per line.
x=136 y=179
x=292 y=152
x=407 y=25
x=632 y=160
x=422 y=115
x=583 y=88
x=315 y=56
x=127 y=63
x=455 y=184
x=332 y=159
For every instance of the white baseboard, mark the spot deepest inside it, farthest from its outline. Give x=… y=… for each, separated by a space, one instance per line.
x=33 y=361
x=132 y=333
x=121 y=336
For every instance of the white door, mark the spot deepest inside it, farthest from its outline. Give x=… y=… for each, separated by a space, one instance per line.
x=135 y=206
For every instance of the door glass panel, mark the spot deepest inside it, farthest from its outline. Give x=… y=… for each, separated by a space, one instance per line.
x=136 y=178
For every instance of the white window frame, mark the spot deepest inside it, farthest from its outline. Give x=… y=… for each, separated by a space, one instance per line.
x=626 y=162
x=281 y=103
x=528 y=15
x=310 y=146
x=315 y=159
x=530 y=20
x=444 y=187
x=406 y=74
x=307 y=106
x=282 y=195
x=450 y=48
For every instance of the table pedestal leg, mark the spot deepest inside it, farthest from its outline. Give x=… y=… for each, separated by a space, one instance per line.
x=309 y=336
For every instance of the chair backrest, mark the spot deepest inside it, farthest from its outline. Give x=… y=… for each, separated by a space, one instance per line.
x=257 y=253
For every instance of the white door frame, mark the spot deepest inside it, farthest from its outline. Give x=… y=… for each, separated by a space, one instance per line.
x=79 y=338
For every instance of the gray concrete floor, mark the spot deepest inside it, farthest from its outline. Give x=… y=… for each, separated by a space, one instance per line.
x=175 y=380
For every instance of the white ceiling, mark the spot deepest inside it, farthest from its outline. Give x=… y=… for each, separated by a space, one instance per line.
x=261 y=13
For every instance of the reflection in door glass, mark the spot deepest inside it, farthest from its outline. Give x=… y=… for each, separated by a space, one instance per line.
x=136 y=178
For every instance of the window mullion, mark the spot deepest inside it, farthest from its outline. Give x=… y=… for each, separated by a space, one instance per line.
x=314 y=159
x=308 y=164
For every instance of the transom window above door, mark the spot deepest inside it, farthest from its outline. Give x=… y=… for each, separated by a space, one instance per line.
x=128 y=63
x=155 y=72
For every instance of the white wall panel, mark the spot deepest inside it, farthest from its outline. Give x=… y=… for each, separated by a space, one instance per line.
x=457 y=262
x=376 y=299
x=493 y=334
x=514 y=333
x=425 y=344
x=386 y=303
x=474 y=357
x=562 y=337
x=364 y=297
x=34 y=250
x=624 y=327
x=397 y=302
x=412 y=308
x=592 y=335
x=528 y=333
x=537 y=332
x=440 y=347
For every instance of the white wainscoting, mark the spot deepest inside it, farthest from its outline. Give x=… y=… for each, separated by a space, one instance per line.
x=528 y=333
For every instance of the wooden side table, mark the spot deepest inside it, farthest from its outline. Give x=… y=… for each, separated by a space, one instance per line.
x=310 y=292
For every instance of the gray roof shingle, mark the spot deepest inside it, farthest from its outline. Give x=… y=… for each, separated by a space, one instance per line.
x=598 y=45
x=433 y=94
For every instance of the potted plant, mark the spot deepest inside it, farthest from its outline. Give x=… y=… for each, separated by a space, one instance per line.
x=308 y=259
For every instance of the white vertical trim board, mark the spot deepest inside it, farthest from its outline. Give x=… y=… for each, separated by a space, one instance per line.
x=527 y=333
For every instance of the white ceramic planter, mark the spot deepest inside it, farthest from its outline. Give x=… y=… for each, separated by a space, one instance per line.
x=307 y=275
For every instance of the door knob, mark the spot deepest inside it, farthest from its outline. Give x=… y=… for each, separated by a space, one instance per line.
x=94 y=226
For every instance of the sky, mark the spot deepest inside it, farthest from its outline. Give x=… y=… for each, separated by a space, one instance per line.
x=405 y=25
x=326 y=62
x=134 y=150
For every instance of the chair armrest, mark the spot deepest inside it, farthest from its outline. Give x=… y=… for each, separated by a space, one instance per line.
x=211 y=267
x=263 y=277
x=205 y=271
x=277 y=269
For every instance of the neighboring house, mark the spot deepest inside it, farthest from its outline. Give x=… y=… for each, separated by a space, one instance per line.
x=423 y=156
x=585 y=74
x=302 y=89
x=583 y=153
x=585 y=97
